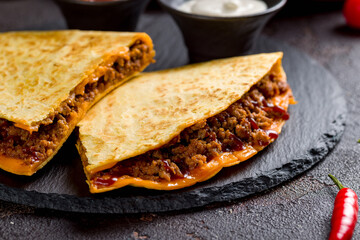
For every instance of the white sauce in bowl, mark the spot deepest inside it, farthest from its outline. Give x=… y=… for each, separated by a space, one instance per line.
x=223 y=8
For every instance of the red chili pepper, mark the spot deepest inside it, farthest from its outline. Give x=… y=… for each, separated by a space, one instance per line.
x=345 y=212
x=351 y=12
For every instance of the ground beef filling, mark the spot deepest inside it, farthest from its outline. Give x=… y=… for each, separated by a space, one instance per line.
x=35 y=147
x=244 y=123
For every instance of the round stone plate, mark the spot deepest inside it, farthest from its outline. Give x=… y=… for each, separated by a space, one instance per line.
x=315 y=126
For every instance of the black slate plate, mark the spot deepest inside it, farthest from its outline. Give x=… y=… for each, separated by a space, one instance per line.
x=316 y=125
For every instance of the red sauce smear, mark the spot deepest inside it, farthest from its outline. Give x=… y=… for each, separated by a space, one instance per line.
x=166 y=165
x=253 y=123
x=272 y=134
x=236 y=144
x=105 y=182
x=278 y=111
x=33 y=153
x=185 y=172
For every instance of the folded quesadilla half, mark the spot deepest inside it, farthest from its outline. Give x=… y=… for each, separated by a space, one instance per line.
x=170 y=129
x=50 y=79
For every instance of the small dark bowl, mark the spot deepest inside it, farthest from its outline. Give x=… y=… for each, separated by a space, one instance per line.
x=116 y=15
x=219 y=37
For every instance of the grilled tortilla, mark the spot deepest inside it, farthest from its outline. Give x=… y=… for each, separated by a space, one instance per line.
x=170 y=129
x=50 y=79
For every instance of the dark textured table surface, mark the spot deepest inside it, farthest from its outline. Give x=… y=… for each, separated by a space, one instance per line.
x=298 y=209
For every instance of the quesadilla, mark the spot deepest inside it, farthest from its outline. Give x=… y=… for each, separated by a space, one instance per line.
x=50 y=79
x=170 y=129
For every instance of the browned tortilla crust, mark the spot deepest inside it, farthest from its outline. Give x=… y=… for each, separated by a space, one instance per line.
x=177 y=102
x=24 y=152
x=246 y=122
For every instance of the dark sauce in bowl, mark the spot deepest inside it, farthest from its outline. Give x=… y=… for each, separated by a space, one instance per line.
x=106 y=15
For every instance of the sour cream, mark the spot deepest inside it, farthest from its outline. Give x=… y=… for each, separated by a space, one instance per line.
x=223 y=8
